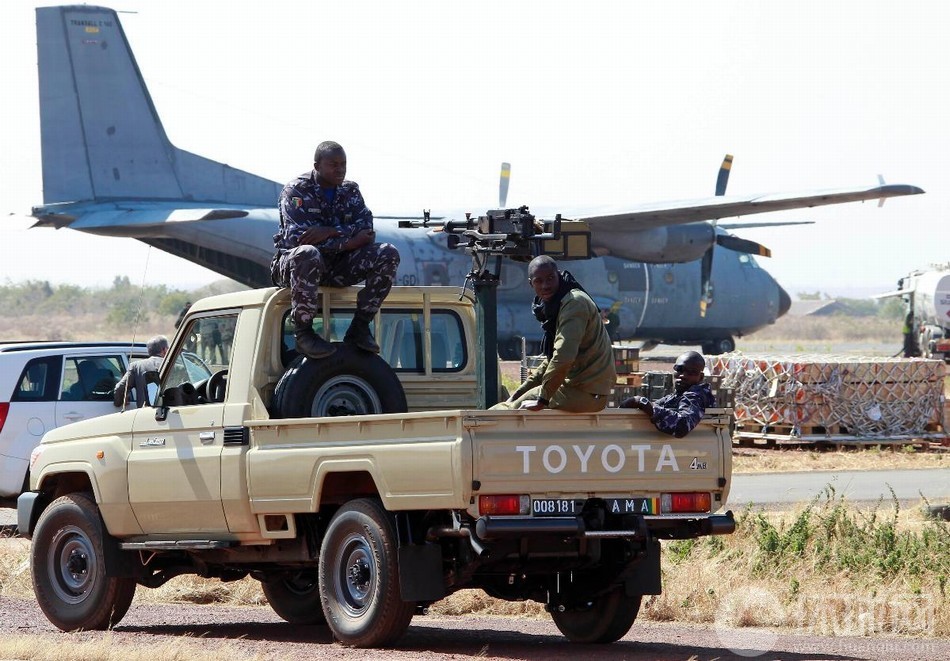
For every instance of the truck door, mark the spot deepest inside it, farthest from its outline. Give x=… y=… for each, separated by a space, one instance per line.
x=175 y=462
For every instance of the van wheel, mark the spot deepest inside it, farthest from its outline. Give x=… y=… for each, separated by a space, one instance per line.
x=69 y=568
x=296 y=597
x=359 y=577
x=604 y=620
x=347 y=382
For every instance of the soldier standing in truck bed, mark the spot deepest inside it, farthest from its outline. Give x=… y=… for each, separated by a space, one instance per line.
x=326 y=237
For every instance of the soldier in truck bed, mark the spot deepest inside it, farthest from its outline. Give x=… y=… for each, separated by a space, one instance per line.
x=678 y=413
x=578 y=371
x=326 y=237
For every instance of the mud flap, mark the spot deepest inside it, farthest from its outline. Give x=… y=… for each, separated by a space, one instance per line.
x=645 y=575
x=420 y=572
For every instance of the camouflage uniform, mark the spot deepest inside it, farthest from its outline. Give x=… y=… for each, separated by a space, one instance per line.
x=678 y=414
x=303 y=267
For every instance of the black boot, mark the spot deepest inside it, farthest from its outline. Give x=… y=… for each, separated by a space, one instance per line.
x=359 y=335
x=310 y=344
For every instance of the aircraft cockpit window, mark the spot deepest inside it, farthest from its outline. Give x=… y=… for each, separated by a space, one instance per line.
x=748 y=261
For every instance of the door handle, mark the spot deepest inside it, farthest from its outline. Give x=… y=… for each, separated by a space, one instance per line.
x=206 y=436
x=73 y=415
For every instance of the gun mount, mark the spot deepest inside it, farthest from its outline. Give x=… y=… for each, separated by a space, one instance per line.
x=513 y=233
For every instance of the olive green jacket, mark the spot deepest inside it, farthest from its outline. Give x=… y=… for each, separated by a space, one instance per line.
x=583 y=357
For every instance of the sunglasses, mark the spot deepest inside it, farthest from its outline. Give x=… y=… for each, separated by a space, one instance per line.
x=682 y=369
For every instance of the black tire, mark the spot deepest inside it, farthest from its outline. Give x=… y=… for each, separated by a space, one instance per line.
x=359 y=577
x=69 y=568
x=716 y=347
x=348 y=382
x=606 y=619
x=296 y=597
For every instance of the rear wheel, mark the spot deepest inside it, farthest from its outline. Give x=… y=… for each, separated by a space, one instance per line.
x=68 y=556
x=359 y=577
x=605 y=619
x=296 y=597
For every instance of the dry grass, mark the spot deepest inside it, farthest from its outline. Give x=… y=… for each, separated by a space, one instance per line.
x=826 y=569
x=72 y=647
x=775 y=460
x=81 y=328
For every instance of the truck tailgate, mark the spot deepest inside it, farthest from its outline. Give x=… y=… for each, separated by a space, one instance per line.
x=609 y=454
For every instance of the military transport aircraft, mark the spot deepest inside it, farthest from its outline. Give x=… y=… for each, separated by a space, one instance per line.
x=664 y=273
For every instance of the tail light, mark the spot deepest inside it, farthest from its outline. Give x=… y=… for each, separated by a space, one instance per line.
x=4 y=410
x=508 y=504
x=688 y=501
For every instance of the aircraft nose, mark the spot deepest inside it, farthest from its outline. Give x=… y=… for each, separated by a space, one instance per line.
x=784 y=301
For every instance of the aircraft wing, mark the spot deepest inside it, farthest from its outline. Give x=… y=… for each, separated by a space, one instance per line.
x=140 y=215
x=712 y=208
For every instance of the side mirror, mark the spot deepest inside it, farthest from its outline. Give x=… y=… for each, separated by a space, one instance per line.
x=170 y=397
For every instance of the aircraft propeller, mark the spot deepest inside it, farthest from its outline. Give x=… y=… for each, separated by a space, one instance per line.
x=727 y=241
x=503 y=180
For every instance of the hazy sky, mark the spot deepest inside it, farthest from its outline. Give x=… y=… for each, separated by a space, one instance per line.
x=594 y=103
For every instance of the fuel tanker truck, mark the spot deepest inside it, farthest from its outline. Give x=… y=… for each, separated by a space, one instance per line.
x=926 y=295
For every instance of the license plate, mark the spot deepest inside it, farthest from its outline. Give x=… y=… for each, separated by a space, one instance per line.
x=556 y=507
x=573 y=507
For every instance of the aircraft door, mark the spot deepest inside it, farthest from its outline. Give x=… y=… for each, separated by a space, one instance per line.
x=175 y=460
x=631 y=280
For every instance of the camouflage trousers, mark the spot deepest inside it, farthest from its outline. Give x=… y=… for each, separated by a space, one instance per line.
x=304 y=268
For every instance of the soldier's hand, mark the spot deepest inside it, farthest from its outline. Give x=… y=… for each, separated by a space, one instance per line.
x=636 y=402
x=360 y=239
x=317 y=235
x=531 y=405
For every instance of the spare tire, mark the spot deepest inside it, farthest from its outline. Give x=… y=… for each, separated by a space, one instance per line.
x=347 y=382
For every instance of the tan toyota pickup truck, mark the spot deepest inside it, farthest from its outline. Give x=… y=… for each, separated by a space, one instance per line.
x=246 y=467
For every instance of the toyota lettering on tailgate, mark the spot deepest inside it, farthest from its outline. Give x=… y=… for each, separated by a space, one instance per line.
x=612 y=458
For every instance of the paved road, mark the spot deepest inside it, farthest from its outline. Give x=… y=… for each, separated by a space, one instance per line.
x=908 y=485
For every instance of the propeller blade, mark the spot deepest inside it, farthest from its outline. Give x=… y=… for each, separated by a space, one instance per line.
x=730 y=242
x=503 y=185
x=705 y=281
x=723 y=180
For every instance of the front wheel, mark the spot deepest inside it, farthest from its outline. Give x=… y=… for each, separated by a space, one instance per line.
x=69 y=568
x=296 y=597
x=359 y=577
x=604 y=620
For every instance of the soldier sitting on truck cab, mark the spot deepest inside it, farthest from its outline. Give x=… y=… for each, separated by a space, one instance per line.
x=678 y=413
x=326 y=237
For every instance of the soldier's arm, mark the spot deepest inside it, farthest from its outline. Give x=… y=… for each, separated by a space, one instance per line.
x=680 y=421
x=294 y=218
x=570 y=330
x=358 y=231
x=118 y=393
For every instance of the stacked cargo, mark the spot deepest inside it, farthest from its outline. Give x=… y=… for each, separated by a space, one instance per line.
x=629 y=378
x=839 y=399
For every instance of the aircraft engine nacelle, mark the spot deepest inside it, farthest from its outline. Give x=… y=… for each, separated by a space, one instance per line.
x=660 y=245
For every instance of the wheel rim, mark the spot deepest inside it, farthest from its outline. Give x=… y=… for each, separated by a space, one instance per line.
x=356 y=574
x=72 y=564
x=345 y=395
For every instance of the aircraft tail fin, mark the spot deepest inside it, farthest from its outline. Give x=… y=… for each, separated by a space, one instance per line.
x=101 y=135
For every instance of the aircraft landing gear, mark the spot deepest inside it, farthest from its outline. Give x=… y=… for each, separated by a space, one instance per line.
x=716 y=347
